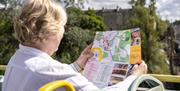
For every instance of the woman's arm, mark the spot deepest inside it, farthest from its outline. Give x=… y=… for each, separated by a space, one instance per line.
x=80 y=63
x=52 y=70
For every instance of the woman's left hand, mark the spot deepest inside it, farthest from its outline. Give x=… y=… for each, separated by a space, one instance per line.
x=85 y=55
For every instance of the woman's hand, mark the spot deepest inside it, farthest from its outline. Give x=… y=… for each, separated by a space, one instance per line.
x=85 y=55
x=139 y=69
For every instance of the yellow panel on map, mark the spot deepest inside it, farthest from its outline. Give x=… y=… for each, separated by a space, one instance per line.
x=100 y=53
x=135 y=55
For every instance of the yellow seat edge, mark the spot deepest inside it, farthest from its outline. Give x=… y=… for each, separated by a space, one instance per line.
x=56 y=84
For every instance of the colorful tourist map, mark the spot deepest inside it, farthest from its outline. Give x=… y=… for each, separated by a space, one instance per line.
x=115 y=52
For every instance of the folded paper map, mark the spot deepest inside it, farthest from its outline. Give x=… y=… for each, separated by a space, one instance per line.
x=115 y=52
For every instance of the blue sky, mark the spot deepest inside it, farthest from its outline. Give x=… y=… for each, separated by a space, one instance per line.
x=167 y=9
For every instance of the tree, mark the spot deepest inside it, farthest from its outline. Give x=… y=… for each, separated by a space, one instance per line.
x=7 y=40
x=85 y=19
x=74 y=41
x=81 y=27
x=72 y=3
x=80 y=31
x=177 y=22
x=152 y=27
x=8 y=43
x=11 y=4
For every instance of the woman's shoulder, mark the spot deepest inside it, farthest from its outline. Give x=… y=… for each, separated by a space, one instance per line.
x=38 y=63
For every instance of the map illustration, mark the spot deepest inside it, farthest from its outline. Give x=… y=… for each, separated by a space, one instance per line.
x=115 y=52
x=115 y=46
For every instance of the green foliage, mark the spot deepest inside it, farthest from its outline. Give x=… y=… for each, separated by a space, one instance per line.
x=85 y=19
x=152 y=27
x=177 y=22
x=137 y=2
x=73 y=43
x=81 y=29
x=72 y=3
x=8 y=44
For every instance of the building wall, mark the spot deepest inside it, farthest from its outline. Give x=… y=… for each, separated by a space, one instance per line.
x=177 y=32
x=115 y=18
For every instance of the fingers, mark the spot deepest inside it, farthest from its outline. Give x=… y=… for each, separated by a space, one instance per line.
x=85 y=55
x=135 y=67
x=143 y=66
x=139 y=69
x=89 y=46
x=87 y=50
x=88 y=55
x=82 y=60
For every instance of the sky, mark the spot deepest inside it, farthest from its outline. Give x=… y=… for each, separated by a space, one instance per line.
x=167 y=9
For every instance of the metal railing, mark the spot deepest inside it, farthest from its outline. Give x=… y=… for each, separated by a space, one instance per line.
x=2 y=67
x=161 y=77
x=167 y=78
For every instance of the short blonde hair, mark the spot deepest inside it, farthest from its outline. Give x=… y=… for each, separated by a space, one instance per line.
x=38 y=20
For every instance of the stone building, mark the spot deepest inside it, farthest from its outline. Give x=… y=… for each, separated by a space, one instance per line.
x=177 y=33
x=115 y=19
x=172 y=38
x=177 y=49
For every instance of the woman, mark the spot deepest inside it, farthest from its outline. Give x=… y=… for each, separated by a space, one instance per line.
x=39 y=29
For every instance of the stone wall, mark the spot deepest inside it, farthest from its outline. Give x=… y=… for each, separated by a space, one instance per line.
x=115 y=18
x=177 y=32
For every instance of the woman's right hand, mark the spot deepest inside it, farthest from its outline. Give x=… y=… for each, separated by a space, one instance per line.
x=139 y=69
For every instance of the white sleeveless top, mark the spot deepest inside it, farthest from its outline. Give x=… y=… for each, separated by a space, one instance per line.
x=30 y=68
